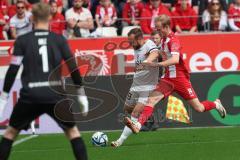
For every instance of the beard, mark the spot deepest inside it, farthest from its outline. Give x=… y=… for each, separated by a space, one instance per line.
x=77 y=6
x=136 y=47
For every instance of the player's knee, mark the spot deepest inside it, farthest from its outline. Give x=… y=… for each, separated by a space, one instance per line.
x=72 y=133
x=11 y=133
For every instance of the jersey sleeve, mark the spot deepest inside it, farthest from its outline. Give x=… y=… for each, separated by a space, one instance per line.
x=151 y=46
x=230 y=12
x=97 y=12
x=18 y=53
x=175 y=47
x=12 y=23
x=70 y=61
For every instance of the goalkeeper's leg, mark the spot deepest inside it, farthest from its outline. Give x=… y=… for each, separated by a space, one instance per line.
x=7 y=142
x=78 y=145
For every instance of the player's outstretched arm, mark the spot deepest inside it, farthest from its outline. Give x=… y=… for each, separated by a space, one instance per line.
x=16 y=61
x=171 y=61
x=8 y=83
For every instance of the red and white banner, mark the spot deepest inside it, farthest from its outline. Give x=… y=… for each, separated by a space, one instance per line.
x=202 y=53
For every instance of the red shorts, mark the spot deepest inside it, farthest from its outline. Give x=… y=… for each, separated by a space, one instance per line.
x=182 y=86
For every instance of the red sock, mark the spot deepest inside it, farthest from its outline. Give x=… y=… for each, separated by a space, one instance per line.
x=208 y=105
x=146 y=113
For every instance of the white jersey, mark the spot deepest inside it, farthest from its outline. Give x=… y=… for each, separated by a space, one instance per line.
x=147 y=78
x=23 y=25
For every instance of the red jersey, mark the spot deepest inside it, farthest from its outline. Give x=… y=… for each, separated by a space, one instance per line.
x=132 y=11
x=149 y=14
x=171 y=46
x=186 y=19
x=57 y=23
x=1 y=27
x=106 y=14
x=234 y=13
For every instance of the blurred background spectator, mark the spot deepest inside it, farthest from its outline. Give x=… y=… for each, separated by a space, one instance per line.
x=234 y=16
x=214 y=17
x=3 y=7
x=2 y=24
x=121 y=15
x=79 y=20
x=131 y=13
x=21 y=22
x=106 y=14
x=151 y=11
x=59 y=4
x=12 y=9
x=57 y=23
x=184 y=17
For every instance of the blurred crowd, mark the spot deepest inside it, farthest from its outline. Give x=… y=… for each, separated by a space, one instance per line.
x=97 y=18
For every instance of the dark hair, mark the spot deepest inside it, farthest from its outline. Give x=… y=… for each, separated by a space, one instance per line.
x=155 y=32
x=51 y=2
x=210 y=10
x=137 y=32
x=41 y=12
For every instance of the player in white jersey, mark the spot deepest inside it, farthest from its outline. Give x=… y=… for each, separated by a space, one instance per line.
x=176 y=78
x=145 y=79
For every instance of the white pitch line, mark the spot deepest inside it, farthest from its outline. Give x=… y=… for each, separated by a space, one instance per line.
x=24 y=140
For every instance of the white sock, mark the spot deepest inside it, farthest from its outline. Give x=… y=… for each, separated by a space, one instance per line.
x=125 y=134
x=33 y=127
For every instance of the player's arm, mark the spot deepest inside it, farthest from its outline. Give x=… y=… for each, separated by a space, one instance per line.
x=174 y=59
x=171 y=61
x=76 y=77
x=16 y=61
x=153 y=55
x=70 y=62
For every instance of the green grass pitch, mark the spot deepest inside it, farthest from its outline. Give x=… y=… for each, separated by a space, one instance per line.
x=164 y=144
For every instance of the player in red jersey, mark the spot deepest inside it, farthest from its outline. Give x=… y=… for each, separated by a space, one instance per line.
x=175 y=79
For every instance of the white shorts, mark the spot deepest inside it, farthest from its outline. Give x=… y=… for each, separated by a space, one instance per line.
x=134 y=97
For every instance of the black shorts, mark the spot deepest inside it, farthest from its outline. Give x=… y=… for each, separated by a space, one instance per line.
x=24 y=113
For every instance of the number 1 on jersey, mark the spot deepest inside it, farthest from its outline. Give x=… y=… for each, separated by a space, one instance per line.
x=44 y=53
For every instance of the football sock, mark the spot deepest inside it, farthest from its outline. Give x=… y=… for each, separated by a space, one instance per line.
x=79 y=149
x=146 y=113
x=33 y=127
x=5 y=148
x=125 y=134
x=208 y=105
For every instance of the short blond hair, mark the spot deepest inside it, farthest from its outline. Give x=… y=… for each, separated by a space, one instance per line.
x=164 y=19
x=41 y=12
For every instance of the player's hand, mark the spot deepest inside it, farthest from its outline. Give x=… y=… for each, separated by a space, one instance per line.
x=3 y=102
x=83 y=100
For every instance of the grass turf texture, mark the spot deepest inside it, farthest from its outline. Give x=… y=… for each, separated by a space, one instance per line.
x=164 y=144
